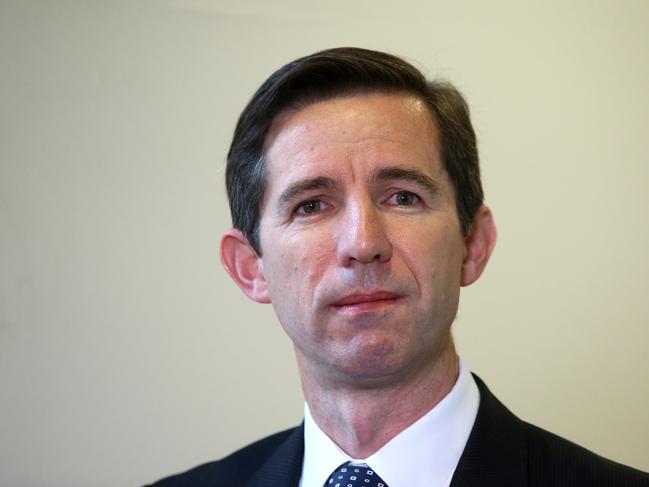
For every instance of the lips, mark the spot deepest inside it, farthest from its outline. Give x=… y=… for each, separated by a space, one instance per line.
x=366 y=301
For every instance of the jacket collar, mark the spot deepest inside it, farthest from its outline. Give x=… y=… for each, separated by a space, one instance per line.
x=496 y=452
x=284 y=466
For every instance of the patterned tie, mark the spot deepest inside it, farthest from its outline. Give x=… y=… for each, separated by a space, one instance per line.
x=348 y=475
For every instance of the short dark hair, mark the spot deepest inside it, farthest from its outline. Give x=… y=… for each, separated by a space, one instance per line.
x=338 y=72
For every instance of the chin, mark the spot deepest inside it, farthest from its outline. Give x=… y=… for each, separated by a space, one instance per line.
x=372 y=363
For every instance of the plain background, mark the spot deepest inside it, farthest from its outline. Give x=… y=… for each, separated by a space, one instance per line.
x=127 y=354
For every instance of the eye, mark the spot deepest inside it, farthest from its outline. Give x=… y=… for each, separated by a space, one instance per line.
x=405 y=198
x=309 y=207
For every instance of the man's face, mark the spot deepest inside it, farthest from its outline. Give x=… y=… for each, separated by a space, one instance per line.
x=362 y=249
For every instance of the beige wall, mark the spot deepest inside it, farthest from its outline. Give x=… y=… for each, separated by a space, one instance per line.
x=125 y=351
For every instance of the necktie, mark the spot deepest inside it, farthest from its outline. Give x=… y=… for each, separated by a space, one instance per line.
x=348 y=475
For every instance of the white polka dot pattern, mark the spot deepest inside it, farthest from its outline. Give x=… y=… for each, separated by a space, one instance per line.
x=354 y=476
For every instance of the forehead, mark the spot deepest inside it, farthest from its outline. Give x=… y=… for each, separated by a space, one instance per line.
x=351 y=133
x=395 y=116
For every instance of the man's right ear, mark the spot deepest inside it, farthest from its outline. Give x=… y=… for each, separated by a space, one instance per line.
x=244 y=265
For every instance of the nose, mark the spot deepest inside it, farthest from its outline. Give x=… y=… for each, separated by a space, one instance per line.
x=362 y=236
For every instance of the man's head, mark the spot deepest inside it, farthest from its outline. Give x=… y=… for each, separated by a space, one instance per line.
x=356 y=236
x=334 y=73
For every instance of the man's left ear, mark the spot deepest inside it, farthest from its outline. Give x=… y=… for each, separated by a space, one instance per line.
x=479 y=243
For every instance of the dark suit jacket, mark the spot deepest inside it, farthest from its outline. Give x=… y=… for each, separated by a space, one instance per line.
x=501 y=451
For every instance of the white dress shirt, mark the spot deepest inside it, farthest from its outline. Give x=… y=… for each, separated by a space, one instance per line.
x=425 y=454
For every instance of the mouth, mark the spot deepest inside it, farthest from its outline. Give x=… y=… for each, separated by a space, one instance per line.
x=366 y=302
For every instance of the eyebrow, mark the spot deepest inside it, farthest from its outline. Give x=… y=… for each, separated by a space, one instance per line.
x=304 y=185
x=414 y=175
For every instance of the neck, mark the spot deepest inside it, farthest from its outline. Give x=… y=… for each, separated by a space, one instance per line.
x=360 y=420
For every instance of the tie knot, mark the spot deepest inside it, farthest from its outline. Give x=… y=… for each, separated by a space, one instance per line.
x=349 y=475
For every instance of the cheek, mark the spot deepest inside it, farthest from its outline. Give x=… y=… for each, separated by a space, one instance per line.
x=434 y=260
x=297 y=265
x=309 y=246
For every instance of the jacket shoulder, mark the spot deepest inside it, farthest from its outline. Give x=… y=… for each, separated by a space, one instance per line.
x=233 y=470
x=555 y=461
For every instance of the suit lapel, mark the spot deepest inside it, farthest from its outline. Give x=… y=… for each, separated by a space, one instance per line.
x=284 y=467
x=496 y=452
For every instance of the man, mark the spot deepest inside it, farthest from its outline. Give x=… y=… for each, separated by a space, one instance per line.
x=358 y=213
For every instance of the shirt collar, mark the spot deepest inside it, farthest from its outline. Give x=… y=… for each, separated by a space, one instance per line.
x=425 y=454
